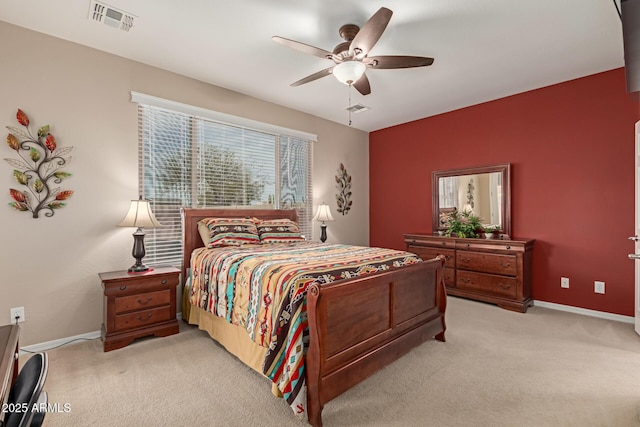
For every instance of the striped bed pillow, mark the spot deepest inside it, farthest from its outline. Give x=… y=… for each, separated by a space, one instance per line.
x=227 y=232
x=278 y=231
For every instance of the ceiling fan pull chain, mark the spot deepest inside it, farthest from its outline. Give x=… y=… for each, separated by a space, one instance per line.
x=349 y=106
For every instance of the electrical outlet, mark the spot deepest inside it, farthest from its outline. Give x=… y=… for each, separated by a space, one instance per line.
x=19 y=313
x=564 y=282
x=598 y=287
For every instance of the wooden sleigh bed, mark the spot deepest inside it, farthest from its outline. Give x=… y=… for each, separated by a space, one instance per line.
x=356 y=326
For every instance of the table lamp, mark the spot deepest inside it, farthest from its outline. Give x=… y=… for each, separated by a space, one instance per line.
x=140 y=216
x=323 y=214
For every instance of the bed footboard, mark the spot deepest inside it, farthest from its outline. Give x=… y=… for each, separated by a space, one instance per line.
x=358 y=326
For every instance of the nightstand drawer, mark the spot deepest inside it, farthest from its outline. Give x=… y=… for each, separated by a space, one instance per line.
x=142 y=301
x=143 y=318
x=487 y=263
x=142 y=284
x=497 y=285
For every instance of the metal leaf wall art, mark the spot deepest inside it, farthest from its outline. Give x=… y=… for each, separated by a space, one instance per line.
x=343 y=198
x=38 y=167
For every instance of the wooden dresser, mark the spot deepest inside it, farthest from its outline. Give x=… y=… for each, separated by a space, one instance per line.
x=137 y=305
x=489 y=270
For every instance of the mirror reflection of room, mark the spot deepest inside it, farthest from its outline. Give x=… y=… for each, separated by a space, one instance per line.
x=479 y=194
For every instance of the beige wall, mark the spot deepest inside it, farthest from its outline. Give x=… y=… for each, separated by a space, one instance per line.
x=50 y=265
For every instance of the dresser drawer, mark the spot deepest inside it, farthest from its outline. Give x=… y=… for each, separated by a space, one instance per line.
x=487 y=263
x=449 y=276
x=487 y=283
x=140 y=319
x=429 y=241
x=142 y=301
x=430 y=253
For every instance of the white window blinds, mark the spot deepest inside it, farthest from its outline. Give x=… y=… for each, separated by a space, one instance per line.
x=189 y=160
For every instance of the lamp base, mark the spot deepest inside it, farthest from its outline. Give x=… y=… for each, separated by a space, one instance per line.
x=135 y=268
x=138 y=252
x=323 y=233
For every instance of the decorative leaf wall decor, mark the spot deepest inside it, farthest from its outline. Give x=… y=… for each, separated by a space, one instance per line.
x=470 y=189
x=343 y=198
x=39 y=165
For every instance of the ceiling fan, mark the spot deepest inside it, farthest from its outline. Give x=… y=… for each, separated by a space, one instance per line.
x=351 y=56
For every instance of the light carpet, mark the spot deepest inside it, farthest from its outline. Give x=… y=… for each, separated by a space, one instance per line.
x=497 y=368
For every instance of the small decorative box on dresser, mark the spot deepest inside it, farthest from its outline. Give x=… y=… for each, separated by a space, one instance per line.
x=490 y=270
x=139 y=304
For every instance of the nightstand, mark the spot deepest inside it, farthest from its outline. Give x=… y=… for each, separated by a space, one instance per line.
x=138 y=304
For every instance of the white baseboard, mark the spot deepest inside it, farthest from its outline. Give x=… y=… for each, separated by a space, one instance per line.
x=585 y=311
x=49 y=345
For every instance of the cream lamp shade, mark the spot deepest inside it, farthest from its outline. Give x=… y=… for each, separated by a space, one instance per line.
x=139 y=215
x=349 y=72
x=323 y=214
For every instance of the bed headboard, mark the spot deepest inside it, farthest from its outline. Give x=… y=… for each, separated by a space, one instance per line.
x=190 y=217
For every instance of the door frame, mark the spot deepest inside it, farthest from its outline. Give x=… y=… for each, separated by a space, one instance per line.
x=637 y=227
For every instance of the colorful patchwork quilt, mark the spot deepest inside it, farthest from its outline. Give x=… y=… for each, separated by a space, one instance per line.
x=262 y=289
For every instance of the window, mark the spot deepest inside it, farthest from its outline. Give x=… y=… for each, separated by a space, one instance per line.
x=448 y=190
x=189 y=157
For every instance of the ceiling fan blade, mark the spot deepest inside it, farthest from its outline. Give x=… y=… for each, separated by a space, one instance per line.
x=362 y=85
x=302 y=47
x=314 y=76
x=370 y=32
x=396 y=61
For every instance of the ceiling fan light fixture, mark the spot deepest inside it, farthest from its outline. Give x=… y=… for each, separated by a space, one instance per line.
x=349 y=72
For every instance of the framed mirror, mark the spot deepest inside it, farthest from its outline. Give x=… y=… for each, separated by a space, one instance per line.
x=484 y=190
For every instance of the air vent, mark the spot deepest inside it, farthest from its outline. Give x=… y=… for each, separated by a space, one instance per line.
x=109 y=15
x=358 y=108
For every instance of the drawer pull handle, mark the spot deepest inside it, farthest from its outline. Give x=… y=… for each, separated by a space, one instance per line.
x=444 y=243
x=465 y=259
x=503 y=286
x=508 y=247
x=164 y=281
x=505 y=265
x=145 y=302
x=468 y=245
x=139 y=318
x=123 y=287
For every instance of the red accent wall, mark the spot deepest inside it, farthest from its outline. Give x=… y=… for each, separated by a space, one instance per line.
x=571 y=149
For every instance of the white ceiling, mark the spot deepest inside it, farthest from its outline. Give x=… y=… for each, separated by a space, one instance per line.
x=483 y=49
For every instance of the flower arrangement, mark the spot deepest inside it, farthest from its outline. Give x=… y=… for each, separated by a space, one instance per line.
x=461 y=224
